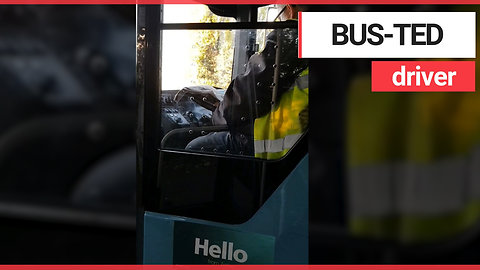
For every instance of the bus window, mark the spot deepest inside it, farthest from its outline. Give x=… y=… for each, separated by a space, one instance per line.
x=197 y=57
x=212 y=104
x=266 y=14
x=269 y=13
x=209 y=71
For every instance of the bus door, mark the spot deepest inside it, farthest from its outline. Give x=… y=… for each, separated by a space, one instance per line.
x=220 y=204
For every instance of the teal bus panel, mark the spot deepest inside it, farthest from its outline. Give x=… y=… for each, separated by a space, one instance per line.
x=276 y=234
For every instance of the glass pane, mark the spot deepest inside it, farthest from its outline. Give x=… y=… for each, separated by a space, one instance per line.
x=269 y=13
x=197 y=57
x=261 y=111
x=266 y=14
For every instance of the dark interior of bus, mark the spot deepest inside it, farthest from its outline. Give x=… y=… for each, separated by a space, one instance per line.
x=67 y=154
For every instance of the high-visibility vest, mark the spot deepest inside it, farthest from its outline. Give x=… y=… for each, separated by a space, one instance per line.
x=413 y=164
x=278 y=131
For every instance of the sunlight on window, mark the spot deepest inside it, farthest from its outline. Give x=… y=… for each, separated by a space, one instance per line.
x=195 y=57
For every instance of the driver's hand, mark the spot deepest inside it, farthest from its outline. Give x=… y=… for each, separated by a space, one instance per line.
x=203 y=95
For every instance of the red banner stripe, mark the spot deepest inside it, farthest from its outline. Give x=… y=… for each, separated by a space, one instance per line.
x=423 y=76
x=239 y=267
x=300 y=35
x=153 y=2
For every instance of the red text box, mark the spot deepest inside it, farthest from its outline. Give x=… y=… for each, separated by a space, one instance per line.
x=423 y=76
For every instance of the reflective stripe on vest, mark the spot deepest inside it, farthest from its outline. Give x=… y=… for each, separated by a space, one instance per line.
x=278 y=131
x=413 y=164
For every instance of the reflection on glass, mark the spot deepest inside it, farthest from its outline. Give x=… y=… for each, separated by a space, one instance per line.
x=201 y=57
x=261 y=112
x=269 y=13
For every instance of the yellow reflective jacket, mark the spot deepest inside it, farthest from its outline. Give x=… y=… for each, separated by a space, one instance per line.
x=413 y=164
x=278 y=131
